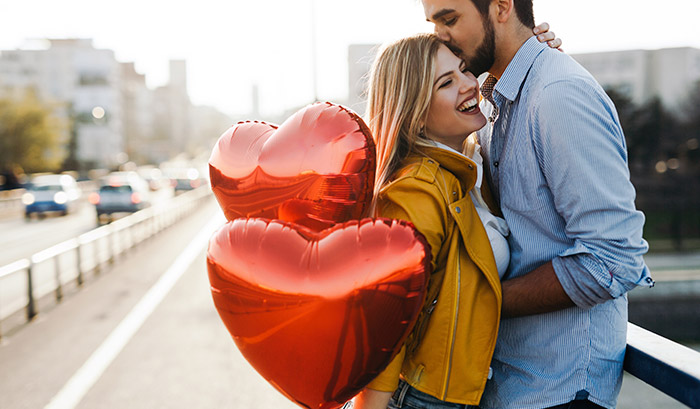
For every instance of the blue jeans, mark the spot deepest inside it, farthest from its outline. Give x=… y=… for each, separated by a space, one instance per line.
x=409 y=397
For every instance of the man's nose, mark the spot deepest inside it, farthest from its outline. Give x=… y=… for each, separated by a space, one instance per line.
x=442 y=34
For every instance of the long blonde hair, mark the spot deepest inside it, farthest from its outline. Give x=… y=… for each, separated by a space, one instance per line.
x=400 y=89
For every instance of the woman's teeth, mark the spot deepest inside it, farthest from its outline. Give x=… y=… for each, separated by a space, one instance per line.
x=468 y=105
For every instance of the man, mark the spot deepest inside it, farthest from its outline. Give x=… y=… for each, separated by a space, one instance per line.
x=556 y=159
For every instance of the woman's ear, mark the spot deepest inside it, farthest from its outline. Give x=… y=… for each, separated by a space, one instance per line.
x=421 y=132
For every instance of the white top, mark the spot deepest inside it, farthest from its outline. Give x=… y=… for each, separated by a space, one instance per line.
x=496 y=227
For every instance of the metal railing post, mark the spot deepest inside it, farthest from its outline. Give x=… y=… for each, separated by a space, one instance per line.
x=110 y=246
x=59 y=288
x=96 y=245
x=31 y=307
x=78 y=257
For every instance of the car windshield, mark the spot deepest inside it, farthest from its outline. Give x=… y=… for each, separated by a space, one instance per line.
x=45 y=188
x=120 y=188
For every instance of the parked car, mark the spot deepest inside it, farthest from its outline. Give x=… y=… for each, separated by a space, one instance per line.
x=51 y=194
x=120 y=192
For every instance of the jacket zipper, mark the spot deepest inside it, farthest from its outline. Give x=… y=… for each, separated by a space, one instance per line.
x=454 y=331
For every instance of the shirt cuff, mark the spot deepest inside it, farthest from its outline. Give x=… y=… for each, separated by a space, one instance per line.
x=586 y=280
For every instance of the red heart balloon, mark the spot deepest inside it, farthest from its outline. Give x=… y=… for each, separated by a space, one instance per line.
x=318 y=314
x=316 y=169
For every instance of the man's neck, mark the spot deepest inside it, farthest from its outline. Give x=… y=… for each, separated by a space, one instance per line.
x=507 y=45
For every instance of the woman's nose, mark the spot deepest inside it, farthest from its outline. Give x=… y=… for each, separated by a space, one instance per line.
x=468 y=83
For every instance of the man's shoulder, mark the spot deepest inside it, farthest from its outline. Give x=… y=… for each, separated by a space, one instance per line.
x=554 y=75
x=553 y=66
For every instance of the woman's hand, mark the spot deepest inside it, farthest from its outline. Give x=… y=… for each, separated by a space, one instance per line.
x=372 y=399
x=544 y=35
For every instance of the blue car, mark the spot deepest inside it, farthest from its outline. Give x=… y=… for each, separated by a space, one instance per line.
x=51 y=194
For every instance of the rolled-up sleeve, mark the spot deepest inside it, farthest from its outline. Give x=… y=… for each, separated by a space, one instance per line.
x=582 y=154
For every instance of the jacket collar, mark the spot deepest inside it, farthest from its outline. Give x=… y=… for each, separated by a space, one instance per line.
x=457 y=164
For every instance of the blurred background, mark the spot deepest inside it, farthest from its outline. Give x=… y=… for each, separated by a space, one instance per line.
x=108 y=108
x=93 y=87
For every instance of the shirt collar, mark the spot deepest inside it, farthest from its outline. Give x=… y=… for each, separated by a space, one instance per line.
x=513 y=77
x=446 y=147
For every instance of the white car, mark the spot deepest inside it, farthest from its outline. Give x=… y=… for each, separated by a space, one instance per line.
x=51 y=193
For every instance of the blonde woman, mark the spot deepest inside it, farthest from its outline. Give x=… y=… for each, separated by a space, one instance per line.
x=423 y=106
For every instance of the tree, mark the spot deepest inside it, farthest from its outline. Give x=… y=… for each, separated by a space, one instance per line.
x=30 y=136
x=691 y=128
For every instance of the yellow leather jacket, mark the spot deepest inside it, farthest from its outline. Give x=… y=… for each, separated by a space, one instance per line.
x=452 y=358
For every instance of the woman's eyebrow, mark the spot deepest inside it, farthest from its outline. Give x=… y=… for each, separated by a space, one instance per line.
x=443 y=75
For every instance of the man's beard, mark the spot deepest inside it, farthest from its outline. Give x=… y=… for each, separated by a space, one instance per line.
x=485 y=55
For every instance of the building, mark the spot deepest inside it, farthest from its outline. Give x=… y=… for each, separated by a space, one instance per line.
x=82 y=83
x=669 y=73
x=115 y=117
x=139 y=124
x=172 y=108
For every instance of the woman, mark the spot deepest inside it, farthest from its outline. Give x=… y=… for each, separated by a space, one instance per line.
x=423 y=105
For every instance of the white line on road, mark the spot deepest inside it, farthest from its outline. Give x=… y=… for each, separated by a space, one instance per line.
x=77 y=386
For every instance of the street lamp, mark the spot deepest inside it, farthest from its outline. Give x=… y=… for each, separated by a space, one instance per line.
x=98 y=112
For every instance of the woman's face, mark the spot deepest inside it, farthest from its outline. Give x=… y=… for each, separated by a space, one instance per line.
x=454 y=108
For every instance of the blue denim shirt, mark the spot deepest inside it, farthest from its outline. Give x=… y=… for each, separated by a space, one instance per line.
x=557 y=160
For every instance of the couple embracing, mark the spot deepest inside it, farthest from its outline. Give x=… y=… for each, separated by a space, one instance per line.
x=522 y=189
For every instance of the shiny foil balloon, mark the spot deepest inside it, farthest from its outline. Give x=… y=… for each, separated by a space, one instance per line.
x=316 y=169
x=318 y=314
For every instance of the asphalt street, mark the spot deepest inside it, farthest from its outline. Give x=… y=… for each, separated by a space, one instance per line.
x=180 y=357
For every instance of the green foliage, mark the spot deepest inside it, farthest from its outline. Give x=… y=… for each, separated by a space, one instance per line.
x=664 y=158
x=30 y=136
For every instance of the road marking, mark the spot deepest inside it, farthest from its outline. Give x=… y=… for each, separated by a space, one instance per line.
x=80 y=383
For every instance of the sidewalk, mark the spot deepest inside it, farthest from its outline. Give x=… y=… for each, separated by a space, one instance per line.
x=674 y=266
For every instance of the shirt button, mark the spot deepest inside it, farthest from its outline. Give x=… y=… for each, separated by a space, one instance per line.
x=495 y=164
x=470 y=166
x=430 y=161
x=454 y=193
x=458 y=210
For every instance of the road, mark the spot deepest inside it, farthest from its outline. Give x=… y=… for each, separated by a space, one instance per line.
x=180 y=357
x=20 y=238
x=145 y=334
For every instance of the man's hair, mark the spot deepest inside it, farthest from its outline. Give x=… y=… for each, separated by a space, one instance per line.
x=523 y=9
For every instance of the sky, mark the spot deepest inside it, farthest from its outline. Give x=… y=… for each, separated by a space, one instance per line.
x=230 y=46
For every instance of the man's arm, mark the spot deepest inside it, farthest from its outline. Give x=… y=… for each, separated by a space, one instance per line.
x=581 y=152
x=534 y=293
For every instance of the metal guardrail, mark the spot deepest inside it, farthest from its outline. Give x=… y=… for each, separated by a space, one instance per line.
x=70 y=260
x=671 y=368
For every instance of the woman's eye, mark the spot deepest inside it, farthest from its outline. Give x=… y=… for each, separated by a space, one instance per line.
x=444 y=84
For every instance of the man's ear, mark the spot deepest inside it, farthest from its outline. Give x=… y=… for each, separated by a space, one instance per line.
x=502 y=10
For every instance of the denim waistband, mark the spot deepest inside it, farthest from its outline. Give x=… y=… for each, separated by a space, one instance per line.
x=405 y=390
